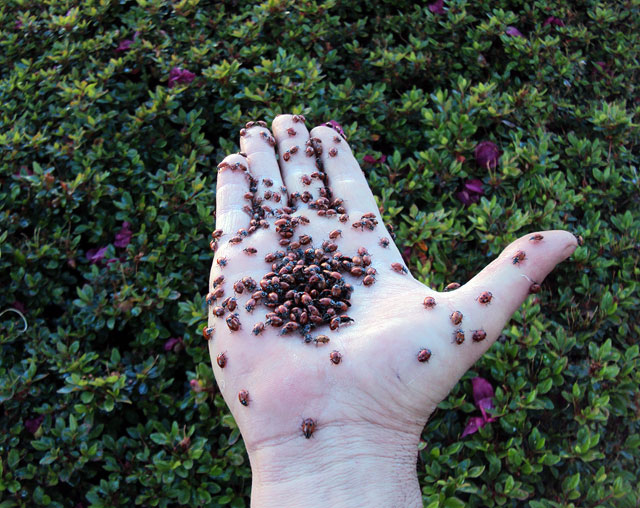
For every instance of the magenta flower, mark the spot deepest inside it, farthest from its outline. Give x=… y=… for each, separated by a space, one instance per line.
x=371 y=160
x=125 y=45
x=34 y=424
x=552 y=20
x=196 y=386
x=437 y=7
x=123 y=237
x=487 y=154
x=18 y=24
x=471 y=192
x=180 y=76
x=174 y=344
x=483 y=397
x=96 y=255
x=336 y=126
x=513 y=32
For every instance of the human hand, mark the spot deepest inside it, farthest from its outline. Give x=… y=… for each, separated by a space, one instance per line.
x=338 y=423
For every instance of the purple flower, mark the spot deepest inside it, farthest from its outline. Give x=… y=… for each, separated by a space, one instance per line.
x=437 y=7
x=483 y=397
x=371 y=160
x=33 y=425
x=552 y=20
x=123 y=237
x=125 y=45
x=180 y=76
x=513 y=32
x=174 y=344
x=96 y=255
x=19 y=24
x=471 y=192
x=335 y=126
x=487 y=154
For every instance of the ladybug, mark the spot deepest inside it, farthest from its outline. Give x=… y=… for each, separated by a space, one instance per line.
x=321 y=339
x=335 y=357
x=424 y=355
x=333 y=152
x=580 y=240
x=458 y=336
x=233 y=322
x=369 y=280
x=235 y=239
x=286 y=156
x=536 y=238
x=221 y=360
x=519 y=257
x=335 y=234
x=218 y=280
x=384 y=242
x=258 y=328
x=452 y=286
x=238 y=287
x=267 y=182
x=293 y=149
x=485 y=297
x=218 y=311
x=249 y=251
x=456 y=317
x=213 y=245
x=534 y=288
x=429 y=302
x=216 y=234
x=207 y=332
x=291 y=131
x=479 y=335
x=397 y=267
x=243 y=397
x=308 y=426
x=222 y=262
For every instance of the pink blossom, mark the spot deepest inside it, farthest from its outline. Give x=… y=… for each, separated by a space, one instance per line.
x=96 y=255
x=125 y=45
x=437 y=7
x=483 y=398
x=513 y=32
x=196 y=386
x=34 y=424
x=174 y=344
x=471 y=192
x=487 y=154
x=552 y=20
x=336 y=126
x=180 y=76
x=371 y=160
x=123 y=237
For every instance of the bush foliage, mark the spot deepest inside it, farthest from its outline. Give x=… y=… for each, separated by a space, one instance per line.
x=114 y=116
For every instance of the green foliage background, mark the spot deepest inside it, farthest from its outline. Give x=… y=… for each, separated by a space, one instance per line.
x=91 y=137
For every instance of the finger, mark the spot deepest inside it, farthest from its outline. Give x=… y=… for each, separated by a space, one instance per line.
x=232 y=185
x=297 y=157
x=345 y=178
x=257 y=143
x=488 y=300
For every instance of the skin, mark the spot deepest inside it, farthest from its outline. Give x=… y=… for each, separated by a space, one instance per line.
x=371 y=408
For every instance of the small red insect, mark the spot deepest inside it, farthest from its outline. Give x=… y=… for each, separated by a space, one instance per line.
x=424 y=355
x=261 y=123
x=429 y=302
x=536 y=238
x=369 y=280
x=286 y=156
x=308 y=426
x=580 y=240
x=207 y=332
x=251 y=304
x=335 y=357
x=335 y=234
x=238 y=287
x=293 y=149
x=221 y=360
x=333 y=152
x=230 y=304
x=235 y=239
x=384 y=242
x=362 y=251
x=233 y=322
x=216 y=234
x=243 y=397
x=218 y=311
x=306 y=179
x=218 y=280
x=519 y=257
x=343 y=218
x=456 y=317
x=479 y=335
x=243 y=132
x=485 y=297
x=250 y=251
x=452 y=286
x=458 y=336
x=267 y=182
x=336 y=139
x=213 y=245
x=258 y=328
x=534 y=288
x=397 y=267
x=291 y=131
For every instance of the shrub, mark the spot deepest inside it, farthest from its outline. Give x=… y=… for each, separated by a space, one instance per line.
x=114 y=117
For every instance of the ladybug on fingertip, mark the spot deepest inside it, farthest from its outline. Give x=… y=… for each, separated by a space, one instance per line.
x=424 y=354
x=243 y=397
x=485 y=297
x=308 y=427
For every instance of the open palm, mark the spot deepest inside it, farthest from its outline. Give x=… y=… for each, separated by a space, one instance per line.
x=380 y=375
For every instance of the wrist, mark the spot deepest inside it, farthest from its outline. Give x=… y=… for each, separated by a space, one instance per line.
x=337 y=467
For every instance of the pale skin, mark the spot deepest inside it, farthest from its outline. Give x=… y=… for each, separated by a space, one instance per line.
x=370 y=409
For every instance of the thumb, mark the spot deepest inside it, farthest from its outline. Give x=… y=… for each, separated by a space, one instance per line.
x=489 y=299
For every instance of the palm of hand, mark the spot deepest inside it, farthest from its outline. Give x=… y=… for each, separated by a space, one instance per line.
x=380 y=386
